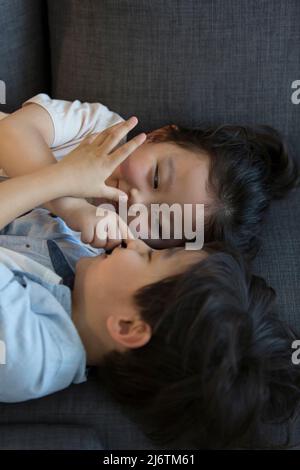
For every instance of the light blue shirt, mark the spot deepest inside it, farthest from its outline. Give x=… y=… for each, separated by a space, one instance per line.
x=44 y=352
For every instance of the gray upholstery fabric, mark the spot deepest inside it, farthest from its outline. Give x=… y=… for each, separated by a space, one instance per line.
x=279 y=263
x=279 y=259
x=183 y=61
x=48 y=437
x=24 y=54
x=86 y=405
x=180 y=61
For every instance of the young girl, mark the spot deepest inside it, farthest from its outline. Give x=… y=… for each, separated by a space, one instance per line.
x=234 y=171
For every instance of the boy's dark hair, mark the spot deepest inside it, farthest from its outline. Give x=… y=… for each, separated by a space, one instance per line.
x=249 y=166
x=218 y=365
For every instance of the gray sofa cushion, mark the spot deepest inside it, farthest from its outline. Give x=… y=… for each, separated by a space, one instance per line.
x=48 y=437
x=279 y=259
x=86 y=405
x=185 y=62
x=24 y=51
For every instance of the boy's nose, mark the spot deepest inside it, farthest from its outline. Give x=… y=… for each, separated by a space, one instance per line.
x=137 y=245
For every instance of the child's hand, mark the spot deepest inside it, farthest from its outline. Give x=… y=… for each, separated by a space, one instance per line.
x=109 y=230
x=94 y=160
x=82 y=217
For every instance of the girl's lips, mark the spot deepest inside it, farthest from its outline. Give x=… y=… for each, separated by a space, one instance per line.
x=122 y=186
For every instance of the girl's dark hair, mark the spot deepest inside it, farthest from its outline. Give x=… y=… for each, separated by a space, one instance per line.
x=249 y=166
x=218 y=365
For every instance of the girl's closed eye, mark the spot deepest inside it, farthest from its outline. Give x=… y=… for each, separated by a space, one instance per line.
x=150 y=254
x=156 y=177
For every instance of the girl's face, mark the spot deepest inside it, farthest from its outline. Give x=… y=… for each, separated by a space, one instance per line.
x=163 y=172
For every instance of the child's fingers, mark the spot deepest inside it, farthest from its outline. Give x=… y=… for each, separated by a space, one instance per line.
x=112 y=194
x=123 y=152
x=111 y=136
x=111 y=227
x=111 y=244
x=125 y=231
x=114 y=137
x=99 y=242
x=87 y=233
x=90 y=138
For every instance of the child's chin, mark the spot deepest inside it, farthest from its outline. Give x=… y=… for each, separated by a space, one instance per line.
x=83 y=263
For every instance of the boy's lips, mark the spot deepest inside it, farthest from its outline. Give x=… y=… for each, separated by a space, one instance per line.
x=101 y=256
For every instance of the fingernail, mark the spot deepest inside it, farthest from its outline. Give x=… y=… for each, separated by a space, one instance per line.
x=133 y=119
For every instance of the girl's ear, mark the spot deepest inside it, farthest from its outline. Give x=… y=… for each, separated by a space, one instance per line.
x=162 y=131
x=128 y=333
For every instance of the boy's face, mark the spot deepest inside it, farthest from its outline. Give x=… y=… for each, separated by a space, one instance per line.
x=105 y=285
x=162 y=172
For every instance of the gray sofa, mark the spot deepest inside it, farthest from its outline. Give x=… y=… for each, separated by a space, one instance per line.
x=181 y=61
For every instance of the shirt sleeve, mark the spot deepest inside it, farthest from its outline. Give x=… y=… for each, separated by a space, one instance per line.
x=44 y=353
x=73 y=120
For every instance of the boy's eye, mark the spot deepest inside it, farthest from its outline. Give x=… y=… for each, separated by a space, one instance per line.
x=156 y=178
x=150 y=255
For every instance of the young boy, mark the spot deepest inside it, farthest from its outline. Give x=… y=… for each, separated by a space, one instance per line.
x=234 y=171
x=189 y=337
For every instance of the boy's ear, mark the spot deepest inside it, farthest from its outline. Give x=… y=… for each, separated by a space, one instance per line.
x=129 y=333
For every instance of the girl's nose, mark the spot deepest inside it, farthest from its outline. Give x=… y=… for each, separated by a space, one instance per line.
x=143 y=197
x=136 y=196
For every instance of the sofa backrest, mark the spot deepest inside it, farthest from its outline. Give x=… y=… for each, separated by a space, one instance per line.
x=185 y=62
x=24 y=52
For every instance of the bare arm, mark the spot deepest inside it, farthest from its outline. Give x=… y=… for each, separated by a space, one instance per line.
x=81 y=174
x=23 y=193
x=25 y=137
